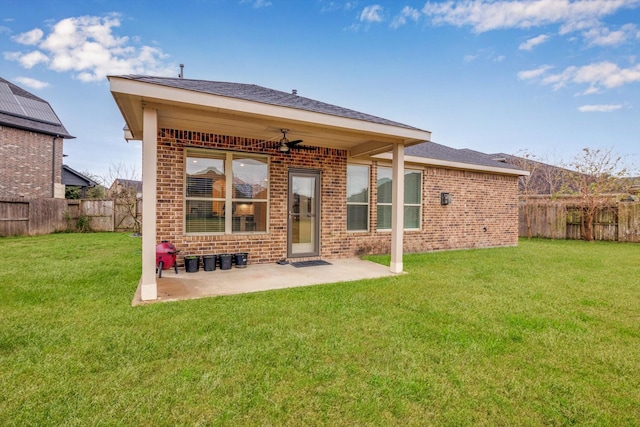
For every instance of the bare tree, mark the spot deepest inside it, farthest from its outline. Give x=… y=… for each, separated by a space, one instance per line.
x=527 y=184
x=550 y=176
x=545 y=177
x=124 y=188
x=98 y=191
x=595 y=177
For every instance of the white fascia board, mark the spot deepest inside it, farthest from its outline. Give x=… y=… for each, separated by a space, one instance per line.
x=128 y=135
x=163 y=94
x=455 y=165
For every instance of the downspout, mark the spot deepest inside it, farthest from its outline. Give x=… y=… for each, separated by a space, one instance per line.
x=53 y=168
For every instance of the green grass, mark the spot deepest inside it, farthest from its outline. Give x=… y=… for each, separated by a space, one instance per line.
x=547 y=333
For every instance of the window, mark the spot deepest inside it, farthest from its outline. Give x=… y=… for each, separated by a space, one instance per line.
x=205 y=194
x=216 y=204
x=412 y=199
x=357 y=198
x=249 y=193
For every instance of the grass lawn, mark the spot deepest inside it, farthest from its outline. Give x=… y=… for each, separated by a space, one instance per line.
x=547 y=333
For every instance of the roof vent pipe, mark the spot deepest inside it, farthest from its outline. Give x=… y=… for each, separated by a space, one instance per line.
x=181 y=75
x=294 y=92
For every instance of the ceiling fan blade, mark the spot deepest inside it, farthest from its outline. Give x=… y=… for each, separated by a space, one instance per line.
x=267 y=143
x=292 y=144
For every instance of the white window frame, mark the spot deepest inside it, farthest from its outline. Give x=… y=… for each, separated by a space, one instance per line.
x=404 y=205
x=367 y=203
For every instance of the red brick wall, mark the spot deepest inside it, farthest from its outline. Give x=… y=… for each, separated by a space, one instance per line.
x=483 y=212
x=25 y=164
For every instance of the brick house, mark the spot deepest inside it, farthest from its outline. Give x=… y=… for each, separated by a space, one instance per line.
x=241 y=168
x=31 y=140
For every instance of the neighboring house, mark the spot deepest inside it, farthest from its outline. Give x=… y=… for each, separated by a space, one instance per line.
x=224 y=171
x=127 y=194
x=73 y=178
x=132 y=187
x=31 y=140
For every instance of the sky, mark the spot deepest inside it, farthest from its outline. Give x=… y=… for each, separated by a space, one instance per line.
x=547 y=76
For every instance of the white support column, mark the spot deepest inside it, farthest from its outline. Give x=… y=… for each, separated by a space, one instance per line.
x=397 y=208
x=148 y=285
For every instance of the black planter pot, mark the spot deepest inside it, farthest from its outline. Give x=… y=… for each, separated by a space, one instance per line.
x=241 y=259
x=209 y=262
x=191 y=264
x=225 y=261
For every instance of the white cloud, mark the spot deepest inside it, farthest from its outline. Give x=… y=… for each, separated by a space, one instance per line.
x=601 y=36
x=371 y=14
x=533 y=42
x=29 y=60
x=30 y=37
x=597 y=75
x=592 y=90
x=406 y=13
x=11 y=56
x=607 y=74
x=32 y=83
x=353 y=28
x=332 y=6
x=602 y=108
x=484 y=55
x=535 y=73
x=88 y=47
x=487 y=15
x=257 y=4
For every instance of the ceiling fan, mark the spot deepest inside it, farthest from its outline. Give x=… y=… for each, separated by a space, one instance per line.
x=286 y=145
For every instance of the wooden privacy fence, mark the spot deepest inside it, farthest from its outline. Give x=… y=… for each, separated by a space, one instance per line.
x=44 y=216
x=562 y=219
x=32 y=217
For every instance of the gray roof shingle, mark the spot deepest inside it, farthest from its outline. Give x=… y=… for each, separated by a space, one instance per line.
x=73 y=177
x=432 y=150
x=29 y=122
x=255 y=93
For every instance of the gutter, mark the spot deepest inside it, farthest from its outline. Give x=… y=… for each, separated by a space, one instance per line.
x=456 y=165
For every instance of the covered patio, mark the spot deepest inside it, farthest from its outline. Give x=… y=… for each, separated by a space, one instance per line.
x=166 y=113
x=258 y=278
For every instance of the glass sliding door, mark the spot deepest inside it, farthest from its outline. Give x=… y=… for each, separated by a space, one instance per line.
x=304 y=217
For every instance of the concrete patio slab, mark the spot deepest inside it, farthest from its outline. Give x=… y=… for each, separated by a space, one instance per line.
x=259 y=277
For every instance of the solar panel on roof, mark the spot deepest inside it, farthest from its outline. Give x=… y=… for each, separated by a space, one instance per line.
x=25 y=107
x=8 y=102
x=38 y=110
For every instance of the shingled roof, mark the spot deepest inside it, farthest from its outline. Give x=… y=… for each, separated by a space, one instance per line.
x=255 y=93
x=23 y=110
x=432 y=150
